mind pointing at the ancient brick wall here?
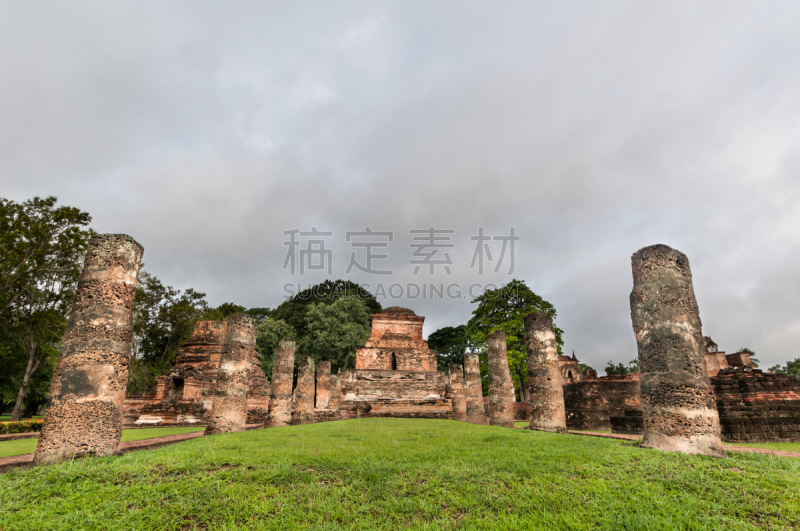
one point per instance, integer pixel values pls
(758, 407)
(396, 343)
(591, 402)
(87, 393)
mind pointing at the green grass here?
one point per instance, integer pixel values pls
(785, 446)
(28, 446)
(370, 474)
(4, 418)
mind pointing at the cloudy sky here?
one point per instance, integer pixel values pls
(207, 130)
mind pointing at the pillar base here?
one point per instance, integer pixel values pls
(695, 445)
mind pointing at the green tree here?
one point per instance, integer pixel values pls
(450, 344)
(622, 370)
(334, 331)
(791, 367)
(504, 309)
(42, 249)
(583, 367)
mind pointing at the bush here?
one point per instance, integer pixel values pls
(23, 426)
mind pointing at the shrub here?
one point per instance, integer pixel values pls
(23, 426)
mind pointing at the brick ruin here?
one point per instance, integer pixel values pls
(455, 392)
(395, 373)
(183, 397)
(678, 405)
(87, 393)
(473, 390)
(229, 404)
(303, 398)
(280, 397)
(591, 402)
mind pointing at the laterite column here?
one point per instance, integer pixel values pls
(229, 409)
(303, 410)
(546, 394)
(678, 404)
(456, 388)
(84, 413)
(501, 389)
(473, 391)
(323, 384)
(280, 396)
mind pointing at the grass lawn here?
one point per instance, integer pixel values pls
(28, 446)
(4, 418)
(404, 473)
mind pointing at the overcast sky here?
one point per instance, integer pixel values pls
(206, 130)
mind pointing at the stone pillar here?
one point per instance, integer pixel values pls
(473, 392)
(501, 389)
(456, 392)
(303, 412)
(229, 409)
(678, 404)
(544, 379)
(335, 399)
(323, 384)
(280, 395)
(84, 414)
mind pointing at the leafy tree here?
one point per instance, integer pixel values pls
(450, 344)
(334, 331)
(791, 367)
(504, 309)
(42, 249)
(269, 333)
(261, 314)
(583, 367)
(294, 311)
(622, 370)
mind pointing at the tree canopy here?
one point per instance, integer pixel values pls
(450, 344)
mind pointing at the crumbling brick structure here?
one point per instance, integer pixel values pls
(591, 402)
(323, 385)
(183, 397)
(229, 407)
(680, 412)
(715, 360)
(280, 397)
(395, 374)
(569, 368)
(455, 392)
(544, 378)
(303, 408)
(501, 389)
(84, 415)
(757, 407)
(473, 390)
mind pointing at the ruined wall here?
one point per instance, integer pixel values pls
(501, 389)
(84, 413)
(569, 368)
(280, 396)
(473, 390)
(323, 385)
(758, 407)
(303, 407)
(679, 409)
(229, 407)
(455, 392)
(376, 385)
(544, 378)
(590, 403)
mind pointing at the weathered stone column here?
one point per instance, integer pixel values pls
(323, 384)
(678, 404)
(84, 414)
(501, 389)
(303, 412)
(280, 395)
(229, 409)
(335, 400)
(544, 380)
(456, 392)
(473, 392)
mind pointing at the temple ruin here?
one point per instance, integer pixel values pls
(544, 376)
(87, 393)
(678, 405)
(455, 392)
(473, 390)
(303, 398)
(280, 397)
(501, 389)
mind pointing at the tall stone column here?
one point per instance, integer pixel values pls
(280, 396)
(303, 412)
(678, 404)
(501, 389)
(456, 392)
(229, 409)
(544, 380)
(323, 384)
(84, 414)
(473, 392)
